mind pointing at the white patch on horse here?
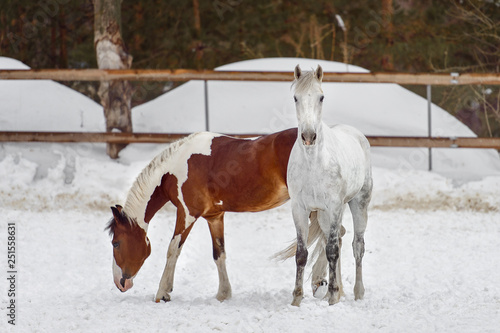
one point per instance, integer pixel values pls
(167, 161)
(220, 203)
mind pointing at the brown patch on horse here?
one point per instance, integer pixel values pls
(239, 175)
(161, 196)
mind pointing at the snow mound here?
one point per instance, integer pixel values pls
(45, 105)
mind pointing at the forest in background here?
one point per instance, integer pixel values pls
(384, 35)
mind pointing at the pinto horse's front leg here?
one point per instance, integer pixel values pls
(300, 218)
(174, 250)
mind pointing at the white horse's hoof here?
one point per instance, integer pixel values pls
(319, 290)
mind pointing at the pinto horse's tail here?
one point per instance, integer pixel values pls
(315, 234)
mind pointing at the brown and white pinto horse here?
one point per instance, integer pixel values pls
(205, 174)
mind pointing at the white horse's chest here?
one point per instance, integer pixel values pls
(332, 174)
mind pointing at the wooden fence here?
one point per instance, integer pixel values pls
(205, 75)
(375, 141)
(188, 74)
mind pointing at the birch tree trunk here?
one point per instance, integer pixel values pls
(112, 53)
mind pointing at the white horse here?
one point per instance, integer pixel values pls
(328, 168)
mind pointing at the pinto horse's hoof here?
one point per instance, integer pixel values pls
(165, 298)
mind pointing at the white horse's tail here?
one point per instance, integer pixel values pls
(315, 233)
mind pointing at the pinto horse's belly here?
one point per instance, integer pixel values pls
(257, 201)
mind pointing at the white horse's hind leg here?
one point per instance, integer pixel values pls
(359, 210)
(318, 283)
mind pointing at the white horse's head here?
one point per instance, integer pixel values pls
(308, 103)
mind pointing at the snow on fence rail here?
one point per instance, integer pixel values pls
(188, 74)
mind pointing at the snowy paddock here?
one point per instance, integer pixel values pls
(424, 272)
(427, 268)
(431, 261)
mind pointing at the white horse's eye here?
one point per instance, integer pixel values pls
(321, 99)
(295, 99)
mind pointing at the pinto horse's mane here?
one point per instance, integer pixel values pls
(305, 82)
(149, 179)
(144, 185)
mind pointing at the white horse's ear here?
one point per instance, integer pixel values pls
(297, 73)
(319, 73)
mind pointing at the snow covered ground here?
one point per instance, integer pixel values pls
(431, 262)
(427, 268)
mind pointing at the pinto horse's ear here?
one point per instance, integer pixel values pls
(116, 212)
(297, 72)
(319, 73)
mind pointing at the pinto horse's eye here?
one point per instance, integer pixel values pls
(321, 99)
(116, 244)
(295, 99)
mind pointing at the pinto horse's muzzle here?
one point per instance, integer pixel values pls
(125, 283)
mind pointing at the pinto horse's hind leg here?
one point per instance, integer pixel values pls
(174, 250)
(216, 226)
(359, 210)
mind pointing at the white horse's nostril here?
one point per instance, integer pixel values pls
(308, 138)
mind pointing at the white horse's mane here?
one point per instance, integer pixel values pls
(145, 184)
(305, 82)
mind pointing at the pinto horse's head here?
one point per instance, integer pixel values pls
(131, 247)
(308, 103)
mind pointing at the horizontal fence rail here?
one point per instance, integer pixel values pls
(188, 74)
(375, 141)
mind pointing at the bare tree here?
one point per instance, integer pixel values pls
(112, 53)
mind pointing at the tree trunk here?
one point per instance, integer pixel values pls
(112, 53)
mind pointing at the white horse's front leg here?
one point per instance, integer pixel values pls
(332, 223)
(300, 218)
